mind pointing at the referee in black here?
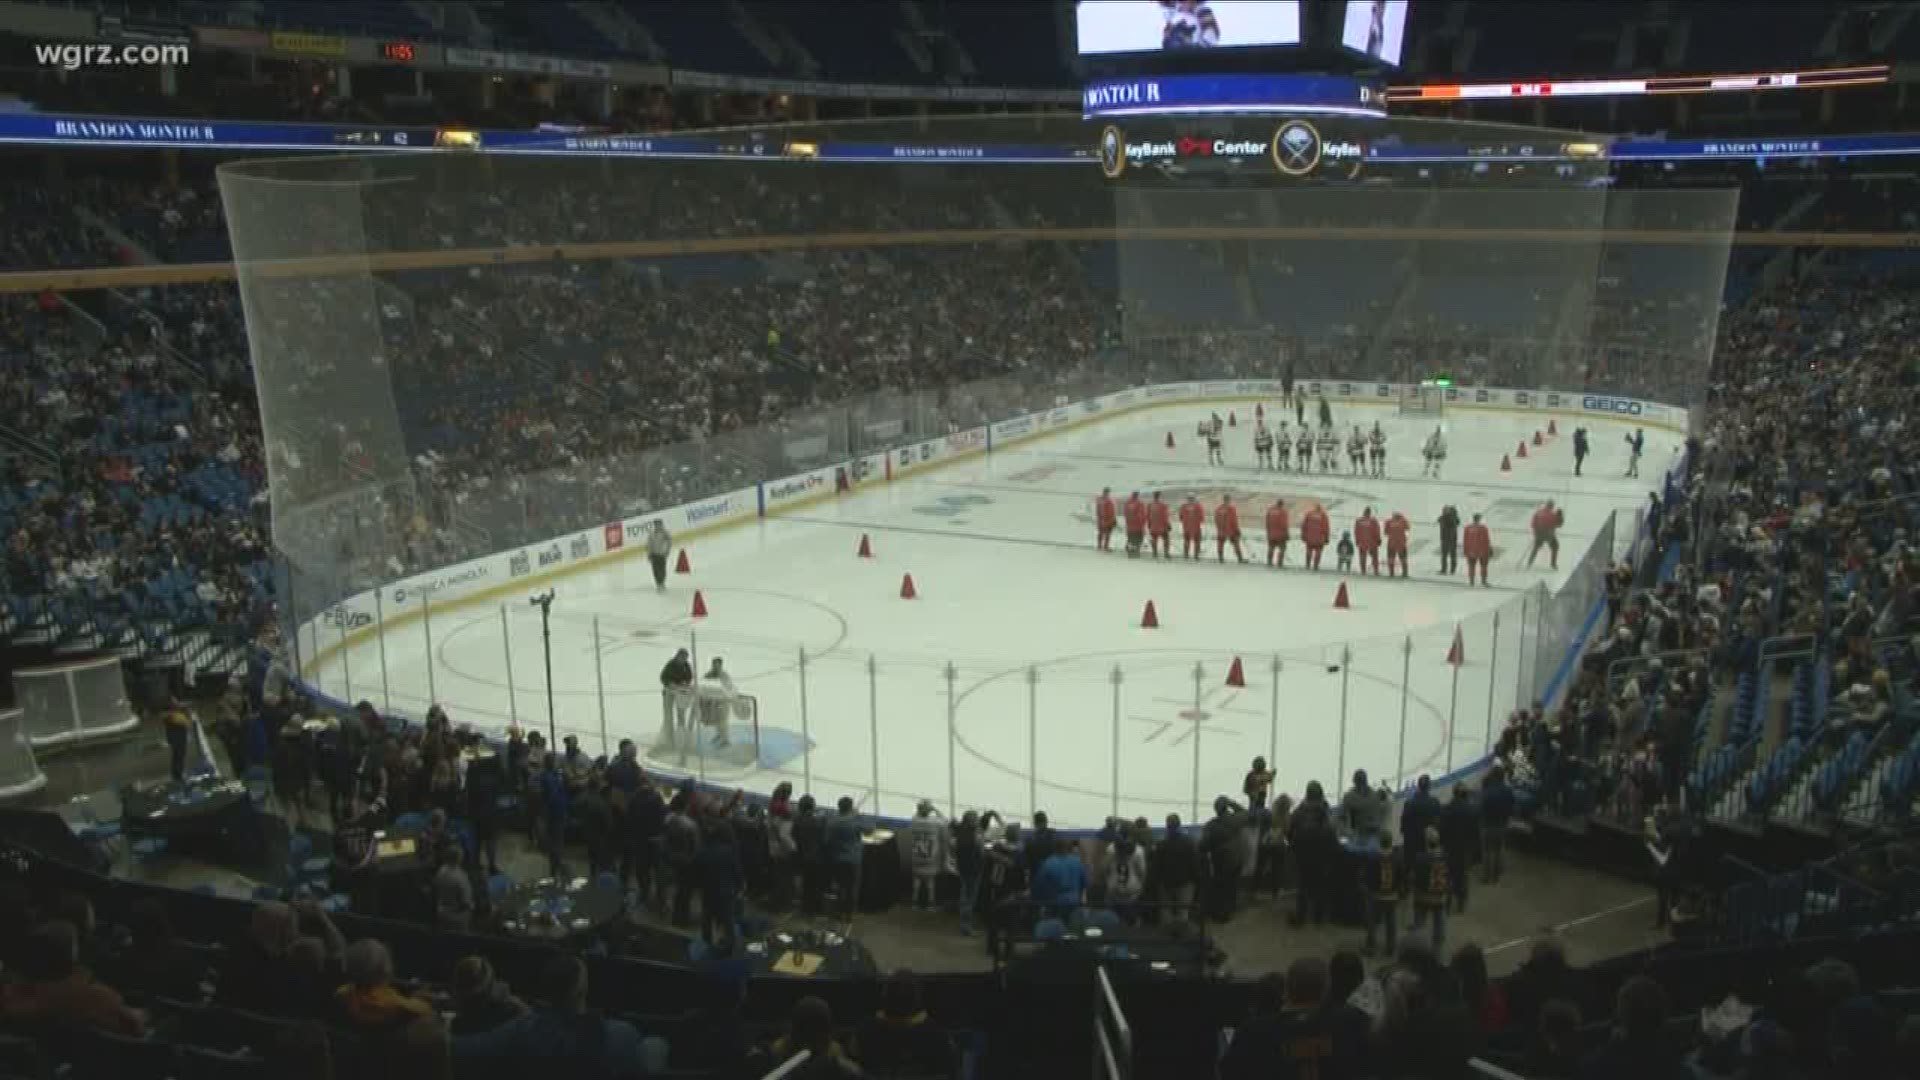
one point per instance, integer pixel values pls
(1449, 540)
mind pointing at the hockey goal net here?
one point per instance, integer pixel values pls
(718, 729)
(1422, 400)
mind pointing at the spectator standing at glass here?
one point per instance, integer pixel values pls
(969, 859)
(682, 844)
(1496, 812)
(1431, 890)
(1174, 869)
(721, 882)
(927, 855)
(1459, 839)
(843, 851)
(809, 853)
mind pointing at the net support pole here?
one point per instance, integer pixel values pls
(953, 786)
(873, 726)
(1273, 715)
(1346, 663)
(380, 635)
(600, 685)
(1406, 689)
(293, 609)
(426, 625)
(1113, 781)
(1453, 713)
(1493, 679)
(346, 662)
(506, 650)
(806, 729)
(1520, 658)
(1199, 675)
(1033, 741)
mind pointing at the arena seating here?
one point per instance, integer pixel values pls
(1794, 526)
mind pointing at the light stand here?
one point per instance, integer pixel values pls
(544, 601)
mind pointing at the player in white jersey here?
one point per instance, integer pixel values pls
(1283, 448)
(1434, 452)
(1636, 443)
(1377, 450)
(1262, 445)
(1356, 451)
(1210, 430)
(1303, 449)
(1329, 450)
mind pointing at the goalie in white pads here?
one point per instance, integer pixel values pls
(1303, 449)
(1262, 445)
(1356, 451)
(1435, 452)
(1283, 448)
(1377, 451)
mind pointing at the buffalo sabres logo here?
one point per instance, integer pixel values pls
(1113, 153)
(1296, 148)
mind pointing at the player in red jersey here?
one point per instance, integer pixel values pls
(1477, 545)
(1366, 537)
(1397, 527)
(1136, 524)
(1160, 527)
(1226, 529)
(1192, 516)
(1103, 520)
(1314, 531)
(1277, 529)
(1546, 534)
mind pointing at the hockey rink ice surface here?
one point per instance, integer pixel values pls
(1034, 622)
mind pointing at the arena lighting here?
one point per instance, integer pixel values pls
(1813, 79)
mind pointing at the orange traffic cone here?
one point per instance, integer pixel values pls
(1340, 598)
(1231, 422)
(1169, 440)
(683, 566)
(866, 547)
(1522, 452)
(1150, 619)
(1457, 652)
(699, 605)
(1551, 430)
(907, 591)
(1539, 439)
(1236, 676)
(1506, 463)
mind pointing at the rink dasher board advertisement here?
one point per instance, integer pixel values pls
(529, 565)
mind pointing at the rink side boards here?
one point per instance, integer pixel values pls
(359, 617)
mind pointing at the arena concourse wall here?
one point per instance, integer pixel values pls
(355, 618)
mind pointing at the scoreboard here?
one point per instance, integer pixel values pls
(1818, 79)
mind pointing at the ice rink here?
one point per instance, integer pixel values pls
(1020, 677)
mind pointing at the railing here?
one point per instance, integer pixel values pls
(1084, 739)
(1111, 1034)
(790, 1066)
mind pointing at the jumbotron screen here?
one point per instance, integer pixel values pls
(1377, 28)
(1140, 26)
